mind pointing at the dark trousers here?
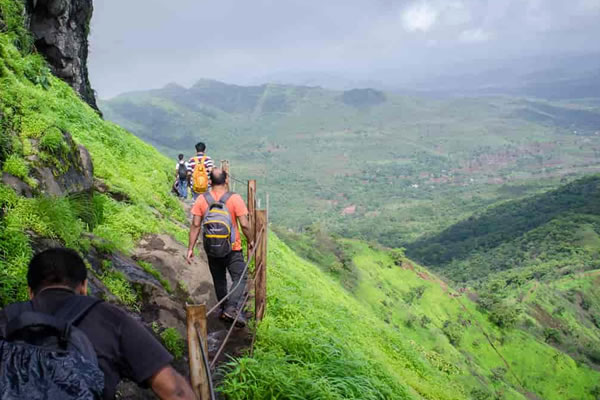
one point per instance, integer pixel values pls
(234, 263)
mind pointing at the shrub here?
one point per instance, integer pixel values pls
(480, 394)
(118, 285)
(149, 268)
(173, 342)
(410, 321)
(498, 374)
(425, 321)
(595, 392)
(53, 142)
(453, 332)
(16, 166)
(504, 315)
(552, 335)
(415, 293)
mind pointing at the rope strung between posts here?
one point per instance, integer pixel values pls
(250, 257)
(237, 316)
(237, 180)
(211, 388)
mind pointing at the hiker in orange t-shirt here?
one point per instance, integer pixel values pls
(234, 260)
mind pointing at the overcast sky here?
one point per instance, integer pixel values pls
(142, 44)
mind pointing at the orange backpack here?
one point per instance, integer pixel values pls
(200, 176)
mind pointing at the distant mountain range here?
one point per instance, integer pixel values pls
(564, 76)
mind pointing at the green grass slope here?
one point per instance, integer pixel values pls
(371, 165)
(397, 333)
(35, 107)
(536, 257)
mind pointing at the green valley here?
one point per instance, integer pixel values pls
(372, 165)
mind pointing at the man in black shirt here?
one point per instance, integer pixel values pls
(124, 347)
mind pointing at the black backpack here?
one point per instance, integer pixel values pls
(45, 356)
(182, 171)
(218, 227)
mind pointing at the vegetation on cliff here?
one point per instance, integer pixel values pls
(36, 109)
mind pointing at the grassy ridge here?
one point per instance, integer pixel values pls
(399, 328)
(35, 107)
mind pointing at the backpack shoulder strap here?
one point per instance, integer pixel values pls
(209, 199)
(226, 197)
(76, 308)
(13, 311)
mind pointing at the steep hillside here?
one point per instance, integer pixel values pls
(537, 256)
(372, 165)
(396, 332)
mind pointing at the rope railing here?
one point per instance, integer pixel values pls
(250, 257)
(222, 347)
(207, 368)
(237, 180)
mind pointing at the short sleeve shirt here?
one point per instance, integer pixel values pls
(236, 206)
(208, 162)
(125, 348)
(179, 163)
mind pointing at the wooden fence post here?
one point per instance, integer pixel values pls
(196, 322)
(260, 288)
(252, 205)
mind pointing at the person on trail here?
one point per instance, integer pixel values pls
(115, 345)
(199, 168)
(220, 208)
(181, 175)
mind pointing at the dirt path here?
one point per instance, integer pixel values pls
(193, 284)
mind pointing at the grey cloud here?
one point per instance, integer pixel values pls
(139, 44)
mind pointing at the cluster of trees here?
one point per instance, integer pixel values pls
(558, 225)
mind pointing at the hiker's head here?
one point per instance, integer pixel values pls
(200, 147)
(180, 157)
(57, 267)
(218, 177)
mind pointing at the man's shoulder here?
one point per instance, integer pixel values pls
(235, 196)
(109, 313)
(237, 202)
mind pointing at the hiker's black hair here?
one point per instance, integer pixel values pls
(57, 266)
(200, 147)
(218, 177)
(181, 156)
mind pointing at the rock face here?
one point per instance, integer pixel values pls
(60, 29)
(76, 174)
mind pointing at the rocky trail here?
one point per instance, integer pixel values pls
(158, 308)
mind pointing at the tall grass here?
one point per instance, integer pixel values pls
(398, 335)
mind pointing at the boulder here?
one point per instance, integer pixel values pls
(18, 185)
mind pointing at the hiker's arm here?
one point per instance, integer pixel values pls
(194, 233)
(245, 224)
(167, 384)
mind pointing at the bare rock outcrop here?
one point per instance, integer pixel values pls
(60, 29)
